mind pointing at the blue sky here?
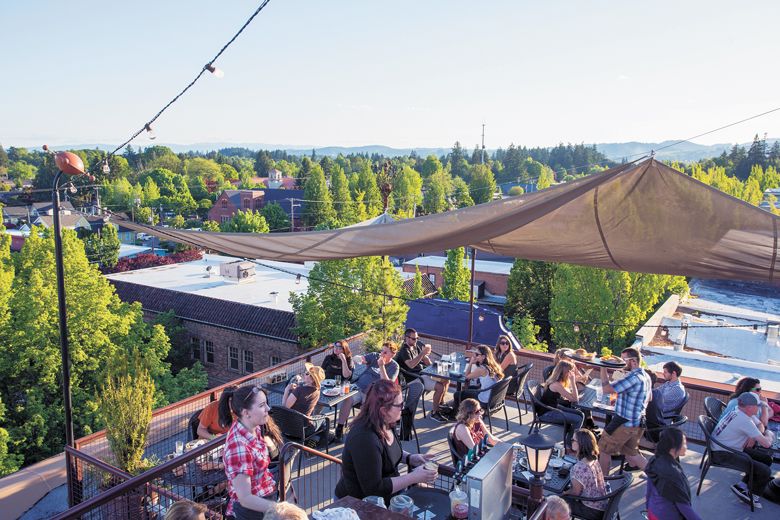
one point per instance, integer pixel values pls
(403, 73)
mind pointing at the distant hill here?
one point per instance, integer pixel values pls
(616, 151)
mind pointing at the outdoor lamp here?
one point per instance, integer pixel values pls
(538, 451)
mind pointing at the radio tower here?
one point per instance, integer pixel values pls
(483, 143)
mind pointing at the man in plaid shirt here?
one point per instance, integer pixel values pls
(623, 433)
(251, 486)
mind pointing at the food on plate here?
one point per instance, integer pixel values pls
(580, 352)
(611, 359)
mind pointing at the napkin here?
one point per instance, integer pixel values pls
(336, 513)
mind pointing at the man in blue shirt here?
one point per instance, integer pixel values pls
(623, 433)
(670, 395)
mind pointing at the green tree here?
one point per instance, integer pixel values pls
(417, 288)
(459, 166)
(482, 185)
(437, 187)
(515, 191)
(318, 203)
(384, 311)
(246, 222)
(276, 217)
(407, 192)
(8, 461)
(528, 334)
(210, 225)
(457, 277)
(430, 166)
(4, 162)
(125, 407)
(103, 248)
(151, 193)
(372, 198)
(22, 171)
(529, 293)
(460, 193)
(546, 179)
(176, 222)
(617, 302)
(342, 199)
(147, 215)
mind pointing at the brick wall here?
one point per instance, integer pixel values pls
(494, 283)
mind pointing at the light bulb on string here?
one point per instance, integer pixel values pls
(149, 132)
(106, 167)
(217, 72)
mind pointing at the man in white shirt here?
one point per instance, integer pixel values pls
(738, 431)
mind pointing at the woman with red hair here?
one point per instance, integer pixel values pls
(372, 452)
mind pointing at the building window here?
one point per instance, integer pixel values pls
(432, 278)
(246, 204)
(249, 361)
(224, 203)
(225, 218)
(276, 360)
(233, 361)
(208, 347)
(195, 346)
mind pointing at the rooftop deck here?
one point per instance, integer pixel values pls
(170, 424)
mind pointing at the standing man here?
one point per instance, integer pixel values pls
(381, 365)
(624, 431)
(414, 356)
(738, 430)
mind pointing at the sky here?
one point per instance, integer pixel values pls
(420, 73)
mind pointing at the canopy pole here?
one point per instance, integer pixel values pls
(471, 298)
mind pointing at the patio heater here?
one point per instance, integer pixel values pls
(538, 451)
(71, 165)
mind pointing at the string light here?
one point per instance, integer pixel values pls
(214, 70)
(149, 132)
(106, 167)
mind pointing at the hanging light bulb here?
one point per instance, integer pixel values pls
(298, 279)
(576, 328)
(106, 167)
(218, 73)
(149, 132)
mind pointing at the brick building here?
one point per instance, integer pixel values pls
(235, 324)
(230, 201)
(492, 275)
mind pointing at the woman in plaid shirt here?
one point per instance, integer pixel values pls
(250, 484)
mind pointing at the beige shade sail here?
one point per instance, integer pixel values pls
(641, 217)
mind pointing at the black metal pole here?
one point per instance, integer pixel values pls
(471, 298)
(64, 348)
(537, 495)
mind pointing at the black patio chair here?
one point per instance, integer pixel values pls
(192, 426)
(653, 434)
(497, 400)
(453, 452)
(406, 373)
(532, 391)
(714, 407)
(547, 372)
(745, 464)
(293, 425)
(515, 390)
(289, 460)
(619, 484)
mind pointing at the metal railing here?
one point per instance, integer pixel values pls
(307, 477)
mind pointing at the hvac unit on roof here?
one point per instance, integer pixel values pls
(238, 271)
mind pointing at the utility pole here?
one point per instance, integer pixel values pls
(293, 205)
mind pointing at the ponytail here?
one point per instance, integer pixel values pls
(225, 415)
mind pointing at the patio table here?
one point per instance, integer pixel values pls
(365, 510)
(326, 401)
(555, 484)
(455, 376)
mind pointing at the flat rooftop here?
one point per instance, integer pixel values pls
(193, 278)
(480, 266)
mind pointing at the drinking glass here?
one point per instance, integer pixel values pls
(179, 447)
(338, 380)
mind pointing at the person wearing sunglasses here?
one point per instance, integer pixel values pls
(505, 356)
(750, 384)
(469, 430)
(372, 452)
(251, 485)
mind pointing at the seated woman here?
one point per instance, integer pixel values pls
(469, 428)
(303, 397)
(587, 480)
(505, 356)
(372, 452)
(251, 485)
(481, 367)
(750, 384)
(560, 391)
(668, 496)
(210, 424)
(583, 376)
(339, 361)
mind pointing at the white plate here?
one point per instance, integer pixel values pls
(556, 463)
(331, 392)
(328, 382)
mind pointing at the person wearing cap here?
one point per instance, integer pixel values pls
(738, 430)
(303, 397)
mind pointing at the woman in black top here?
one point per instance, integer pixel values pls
(372, 452)
(339, 361)
(560, 391)
(668, 496)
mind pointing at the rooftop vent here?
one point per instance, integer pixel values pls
(240, 272)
